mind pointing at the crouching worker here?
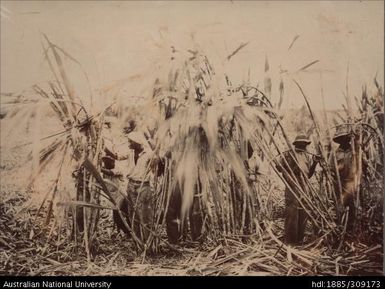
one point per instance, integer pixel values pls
(296, 169)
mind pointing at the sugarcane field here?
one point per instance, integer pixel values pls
(192, 138)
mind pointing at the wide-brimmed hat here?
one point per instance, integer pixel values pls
(301, 138)
(137, 137)
(343, 133)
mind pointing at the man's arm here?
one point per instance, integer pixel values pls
(313, 166)
(122, 158)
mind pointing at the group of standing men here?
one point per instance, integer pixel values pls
(297, 166)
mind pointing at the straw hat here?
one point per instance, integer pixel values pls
(343, 132)
(301, 138)
(137, 137)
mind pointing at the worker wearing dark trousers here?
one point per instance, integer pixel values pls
(296, 167)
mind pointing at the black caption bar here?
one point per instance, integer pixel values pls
(119, 282)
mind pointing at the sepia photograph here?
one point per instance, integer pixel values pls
(191, 138)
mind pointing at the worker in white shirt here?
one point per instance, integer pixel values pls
(138, 206)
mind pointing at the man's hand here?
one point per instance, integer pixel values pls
(252, 177)
(117, 173)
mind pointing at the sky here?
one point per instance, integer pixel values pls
(115, 40)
